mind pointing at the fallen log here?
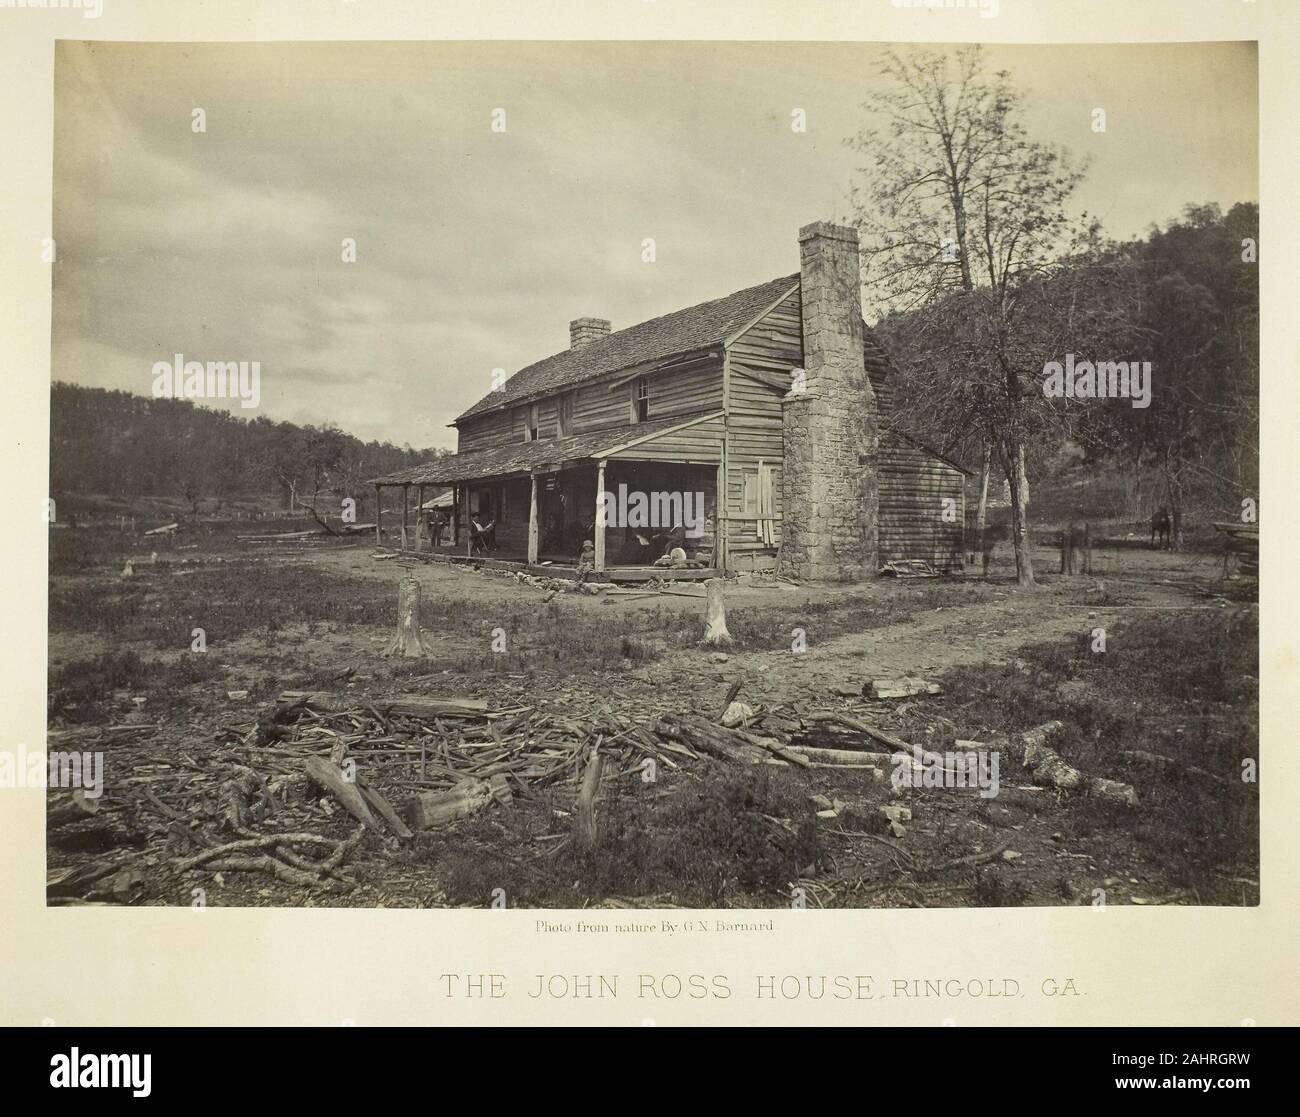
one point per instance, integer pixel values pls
(435, 808)
(331, 779)
(384, 809)
(905, 687)
(842, 757)
(587, 829)
(75, 809)
(1114, 791)
(402, 705)
(836, 718)
(1044, 762)
(776, 748)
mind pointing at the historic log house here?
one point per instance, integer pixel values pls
(751, 432)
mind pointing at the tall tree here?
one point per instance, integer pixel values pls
(962, 211)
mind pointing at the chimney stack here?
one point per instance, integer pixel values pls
(829, 482)
(583, 331)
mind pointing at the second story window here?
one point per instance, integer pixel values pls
(530, 422)
(564, 416)
(640, 400)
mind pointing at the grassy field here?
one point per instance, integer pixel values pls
(1178, 679)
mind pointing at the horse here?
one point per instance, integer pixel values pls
(1160, 525)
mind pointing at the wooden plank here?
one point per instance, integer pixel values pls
(532, 520)
(600, 518)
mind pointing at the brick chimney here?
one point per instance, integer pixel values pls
(583, 331)
(830, 489)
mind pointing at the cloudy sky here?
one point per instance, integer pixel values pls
(475, 248)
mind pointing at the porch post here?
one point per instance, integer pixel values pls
(379, 514)
(532, 521)
(406, 492)
(455, 515)
(720, 519)
(600, 516)
(419, 514)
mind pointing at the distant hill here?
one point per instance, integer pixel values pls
(112, 450)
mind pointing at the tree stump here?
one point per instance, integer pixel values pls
(715, 617)
(408, 642)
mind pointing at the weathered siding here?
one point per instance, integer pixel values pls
(606, 403)
(913, 487)
(484, 431)
(699, 443)
(775, 342)
(771, 348)
(881, 374)
(698, 388)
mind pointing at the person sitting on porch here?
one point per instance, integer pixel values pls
(481, 536)
(670, 540)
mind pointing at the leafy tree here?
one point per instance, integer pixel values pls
(965, 222)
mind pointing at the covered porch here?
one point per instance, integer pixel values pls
(631, 494)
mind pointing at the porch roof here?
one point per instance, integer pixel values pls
(543, 456)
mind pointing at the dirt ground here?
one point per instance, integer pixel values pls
(319, 618)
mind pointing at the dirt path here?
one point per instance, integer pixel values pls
(943, 638)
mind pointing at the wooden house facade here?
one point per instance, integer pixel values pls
(688, 411)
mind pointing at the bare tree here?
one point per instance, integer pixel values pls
(960, 209)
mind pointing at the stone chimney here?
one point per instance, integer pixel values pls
(829, 483)
(583, 331)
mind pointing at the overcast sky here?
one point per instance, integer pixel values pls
(476, 248)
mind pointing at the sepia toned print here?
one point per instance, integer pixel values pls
(659, 475)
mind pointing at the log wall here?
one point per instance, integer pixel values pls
(913, 487)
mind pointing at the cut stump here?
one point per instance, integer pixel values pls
(408, 641)
(715, 616)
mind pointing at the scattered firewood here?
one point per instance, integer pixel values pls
(244, 799)
(76, 808)
(331, 779)
(777, 748)
(1114, 791)
(732, 691)
(904, 687)
(1049, 768)
(403, 705)
(843, 758)
(587, 828)
(384, 809)
(434, 808)
(737, 714)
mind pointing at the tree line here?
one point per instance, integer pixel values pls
(126, 446)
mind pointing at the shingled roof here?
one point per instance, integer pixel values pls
(524, 457)
(668, 336)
